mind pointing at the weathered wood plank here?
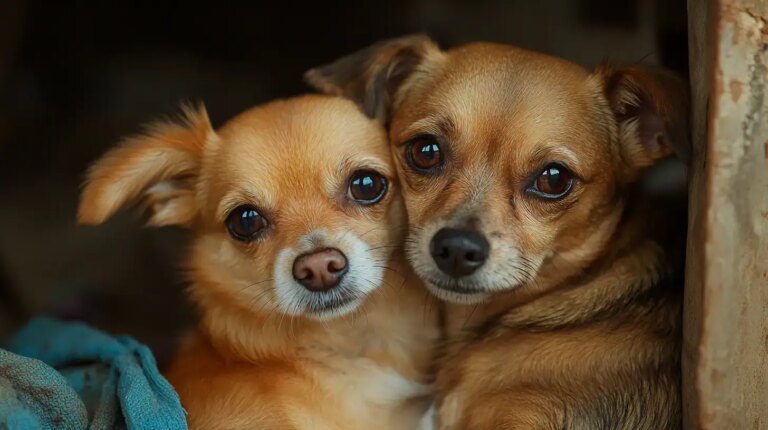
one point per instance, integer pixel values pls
(726, 309)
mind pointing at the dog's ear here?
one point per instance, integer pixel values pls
(651, 107)
(372, 76)
(157, 169)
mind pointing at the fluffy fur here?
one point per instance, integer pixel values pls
(267, 356)
(573, 322)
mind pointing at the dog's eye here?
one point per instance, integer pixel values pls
(367, 187)
(554, 182)
(424, 154)
(245, 223)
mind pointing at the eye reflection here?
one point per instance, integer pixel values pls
(245, 223)
(367, 187)
(554, 182)
(424, 153)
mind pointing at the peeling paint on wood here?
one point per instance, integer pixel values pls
(737, 89)
(726, 307)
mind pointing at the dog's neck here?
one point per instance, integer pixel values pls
(382, 329)
(630, 261)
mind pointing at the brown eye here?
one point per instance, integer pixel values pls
(554, 182)
(424, 154)
(367, 187)
(245, 223)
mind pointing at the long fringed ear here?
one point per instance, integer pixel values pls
(372, 76)
(157, 169)
(651, 108)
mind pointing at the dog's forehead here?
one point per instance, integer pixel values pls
(302, 142)
(512, 66)
(490, 80)
(492, 92)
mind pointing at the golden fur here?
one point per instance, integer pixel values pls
(573, 322)
(255, 364)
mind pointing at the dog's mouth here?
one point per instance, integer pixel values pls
(332, 303)
(457, 288)
(453, 291)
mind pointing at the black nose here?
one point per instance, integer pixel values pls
(459, 252)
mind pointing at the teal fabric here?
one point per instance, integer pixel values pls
(60, 375)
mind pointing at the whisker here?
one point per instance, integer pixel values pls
(383, 247)
(255, 284)
(469, 317)
(369, 231)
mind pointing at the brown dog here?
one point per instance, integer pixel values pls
(520, 176)
(310, 316)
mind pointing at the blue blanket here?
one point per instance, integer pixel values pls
(57, 375)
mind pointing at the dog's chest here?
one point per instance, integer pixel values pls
(375, 395)
(367, 383)
(373, 379)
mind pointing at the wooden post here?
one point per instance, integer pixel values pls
(725, 354)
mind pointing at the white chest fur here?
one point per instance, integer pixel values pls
(367, 384)
(379, 396)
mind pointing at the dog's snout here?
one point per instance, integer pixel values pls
(320, 270)
(459, 252)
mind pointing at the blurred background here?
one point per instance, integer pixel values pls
(75, 77)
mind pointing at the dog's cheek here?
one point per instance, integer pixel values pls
(254, 262)
(417, 243)
(531, 235)
(415, 207)
(416, 216)
(395, 224)
(596, 207)
(231, 268)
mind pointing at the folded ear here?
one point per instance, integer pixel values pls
(157, 169)
(372, 76)
(651, 107)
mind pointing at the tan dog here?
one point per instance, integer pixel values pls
(310, 316)
(520, 175)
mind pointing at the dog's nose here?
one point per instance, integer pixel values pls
(320, 270)
(459, 252)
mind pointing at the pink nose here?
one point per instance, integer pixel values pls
(320, 270)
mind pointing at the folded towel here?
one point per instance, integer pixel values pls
(57, 375)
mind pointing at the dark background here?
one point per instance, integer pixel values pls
(75, 77)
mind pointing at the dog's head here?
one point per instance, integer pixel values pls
(294, 204)
(514, 164)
